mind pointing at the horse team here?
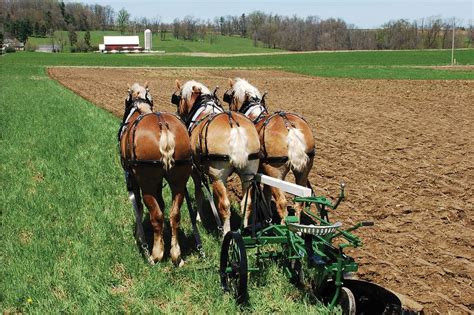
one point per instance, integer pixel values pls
(205, 140)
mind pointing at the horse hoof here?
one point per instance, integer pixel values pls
(179, 263)
(151, 260)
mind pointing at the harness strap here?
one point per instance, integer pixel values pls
(288, 124)
(226, 157)
(134, 162)
(210, 198)
(192, 215)
(283, 159)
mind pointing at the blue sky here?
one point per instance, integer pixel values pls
(362, 13)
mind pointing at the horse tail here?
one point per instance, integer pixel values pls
(167, 146)
(297, 157)
(238, 142)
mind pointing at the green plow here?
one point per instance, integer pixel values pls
(310, 251)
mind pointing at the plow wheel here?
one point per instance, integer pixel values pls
(347, 302)
(233, 267)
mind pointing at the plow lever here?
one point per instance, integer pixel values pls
(341, 196)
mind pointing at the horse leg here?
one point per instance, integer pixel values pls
(223, 204)
(301, 178)
(175, 218)
(279, 196)
(154, 202)
(219, 172)
(246, 176)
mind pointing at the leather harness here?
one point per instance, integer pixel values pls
(288, 125)
(162, 124)
(205, 100)
(255, 101)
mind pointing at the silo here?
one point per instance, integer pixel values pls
(147, 40)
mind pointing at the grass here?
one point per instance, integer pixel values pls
(366, 64)
(220, 44)
(66, 240)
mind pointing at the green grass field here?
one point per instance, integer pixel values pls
(66, 242)
(221, 44)
(368, 64)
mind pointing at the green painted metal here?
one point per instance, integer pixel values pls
(327, 263)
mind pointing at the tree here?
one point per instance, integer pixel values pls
(122, 20)
(25, 30)
(61, 39)
(72, 37)
(162, 31)
(87, 39)
(243, 25)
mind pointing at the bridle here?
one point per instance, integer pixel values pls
(203, 100)
(249, 105)
(133, 103)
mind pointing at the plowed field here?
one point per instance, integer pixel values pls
(404, 149)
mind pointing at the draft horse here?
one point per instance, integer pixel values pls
(222, 142)
(286, 139)
(154, 146)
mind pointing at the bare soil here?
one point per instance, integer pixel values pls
(404, 149)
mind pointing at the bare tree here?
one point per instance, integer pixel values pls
(163, 30)
(433, 29)
(123, 18)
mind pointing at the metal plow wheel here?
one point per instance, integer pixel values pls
(233, 266)
(370, 298)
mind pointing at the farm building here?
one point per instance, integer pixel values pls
(121, 44)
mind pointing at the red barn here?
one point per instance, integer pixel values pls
(121, 44)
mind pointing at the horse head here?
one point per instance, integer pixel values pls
(140, 98)
(242, 96)
(187, 95)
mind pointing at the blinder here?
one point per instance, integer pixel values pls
(175, 99)
(129, 102)
(228, 96)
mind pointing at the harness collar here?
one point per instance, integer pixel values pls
(202, 102)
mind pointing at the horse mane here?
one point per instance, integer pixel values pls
(242, 88)
(187, 90)
(137, 88)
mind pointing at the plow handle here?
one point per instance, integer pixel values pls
(341, 196)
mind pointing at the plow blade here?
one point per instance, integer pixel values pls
(370, 298)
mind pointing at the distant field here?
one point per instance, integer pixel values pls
(416, 64)
(221, 44)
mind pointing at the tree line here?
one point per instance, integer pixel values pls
(41, 18)
(314, 33)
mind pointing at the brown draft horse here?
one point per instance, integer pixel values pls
(287, 142)
(155, 146)
(222, 143)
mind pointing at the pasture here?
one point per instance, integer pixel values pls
(401, 146)
(220, 43)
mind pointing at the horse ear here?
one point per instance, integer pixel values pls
(178, 84)
(146, 85)
(129, 87)
(231, 82)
